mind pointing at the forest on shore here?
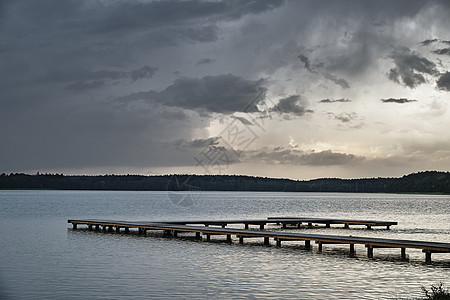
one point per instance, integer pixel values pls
(421, 182)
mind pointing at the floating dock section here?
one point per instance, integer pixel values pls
(173, 228)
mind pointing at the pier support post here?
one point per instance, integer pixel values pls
(90, 227)
(104, 228)
(346, 226)
(298, 225)
(97, 227)
(246, 226)
(208, 237)
(175, 233)
(241, 240)
(110, 229)
(278, 242)
(266, 241)
(428, 257)
(369, 227)
(403, 253)
(74, 226)
(224, 225)
(127, 229)
(198, 235)
(369, 252)
(327, 225)
(261, 227)
(309, 225)
(117, 229)
(284, 225)
(388, 227)
(229, 238)
(308, 245)
(320, 247)
(352, 250)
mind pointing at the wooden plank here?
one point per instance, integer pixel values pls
(370, 242)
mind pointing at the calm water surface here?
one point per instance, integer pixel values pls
(42, 258)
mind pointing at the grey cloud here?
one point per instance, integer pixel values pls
(443, 82)
(205, 61)
(288, 156)
(243, 120)
(345, 117)
(198, 143)
(397, 100)
(446, 42)
(442, 51)
(410, 67)
(93, 136)
(334, 100)
(144, 72)
(339, 81)
(86, 79)
(307, 63)
(85, 85)
(225, 94)
(429, 42)
(292, 105)
(328, 158)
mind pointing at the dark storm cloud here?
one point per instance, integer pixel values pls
(334, 100)
(144, 72)
(429, 42)
(205, 61)
(443, 82)
(292, 105)
(339, 81)
(85, 79)
(397, 100)
(225, 94)
(410, 68)
(442, 51)
(85, 85)
(198, 143)
(306, 62)
(95, 17)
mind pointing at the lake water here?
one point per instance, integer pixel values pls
(43, 258)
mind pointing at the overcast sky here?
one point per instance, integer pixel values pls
(296, 89)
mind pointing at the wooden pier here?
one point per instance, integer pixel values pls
(175, 227)
(288, 221)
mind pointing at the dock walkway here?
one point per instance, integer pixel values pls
(173, 228)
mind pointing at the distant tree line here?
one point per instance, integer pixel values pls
(422, 182)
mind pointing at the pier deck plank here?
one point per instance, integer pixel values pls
(426, 246)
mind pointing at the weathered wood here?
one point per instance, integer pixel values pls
(369, 252)
(428, 257)
(371, 243)
(266, 241)
(308, 245)
(403, 253)
(352, 250)
(278, 242)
